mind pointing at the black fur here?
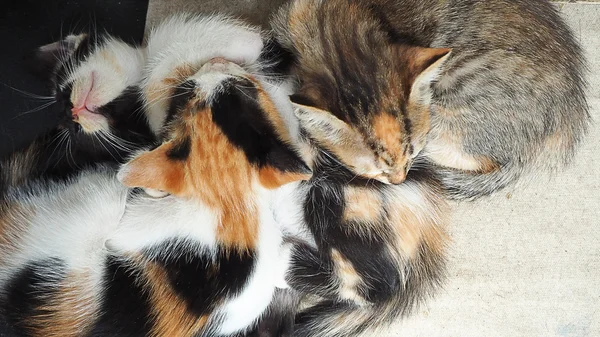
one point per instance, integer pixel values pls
(200, 279)
(181, 150)
(278, 320)
(26, 292)
(246, 125)
(181, 97)
(279, 60)
(125, 307)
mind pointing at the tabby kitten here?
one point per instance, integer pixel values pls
(199, 253)
(504, 92)
(94, 85)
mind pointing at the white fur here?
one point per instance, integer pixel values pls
(193, 40)
(149, 221)
(103, 76)
(82, 222)
(242, 311)
(91, 219)
(288, 211)
(70, 222)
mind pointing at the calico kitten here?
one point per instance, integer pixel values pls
(485, 90)
(94, 85)
(199, 253)
(365, 253)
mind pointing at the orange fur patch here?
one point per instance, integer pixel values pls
(487, 165)
(362, 205)
(179, 74)
(11, 227)
(387, 130)
(558, 142)
(272, 178)
(418, 223)
(160, 90)
(446, 149)
(220, 175)
(350, 280)
(71, 311)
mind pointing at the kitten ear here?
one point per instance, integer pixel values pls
(339, 138)
(283, 166)
(153, 170)
(425, 64)
(45, 59)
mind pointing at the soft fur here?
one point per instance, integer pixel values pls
(503, 94)
(365, 253)
(199, 253)
(94, 86)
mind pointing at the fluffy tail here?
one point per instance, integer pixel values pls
(465, 185)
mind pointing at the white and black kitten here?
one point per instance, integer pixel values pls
(94, 85)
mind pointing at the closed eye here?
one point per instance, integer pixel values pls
(156, 194)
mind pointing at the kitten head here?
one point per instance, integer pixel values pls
(222, 136)
(362, 97)
(94, 84)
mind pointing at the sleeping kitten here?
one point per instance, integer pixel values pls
(95, 88)
(485, 90)
(199, 253)
(364, 252)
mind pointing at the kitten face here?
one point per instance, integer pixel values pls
(360, 96)
(93, 83)
(222, 135)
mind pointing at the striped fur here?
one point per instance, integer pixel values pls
(507, 101)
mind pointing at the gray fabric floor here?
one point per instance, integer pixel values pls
(523, 263)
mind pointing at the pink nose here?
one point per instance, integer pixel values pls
(76, 111)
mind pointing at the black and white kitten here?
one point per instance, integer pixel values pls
(94, 85)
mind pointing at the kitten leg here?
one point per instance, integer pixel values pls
(448, 151)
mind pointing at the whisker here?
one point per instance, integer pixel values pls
(29, 94)
(41, 107)
(114, 141)
(102, 144)
(245, 94)
(163, 99)
(63, 135)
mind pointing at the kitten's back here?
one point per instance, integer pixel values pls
(507, 101)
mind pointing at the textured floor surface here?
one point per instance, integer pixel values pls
(525, 263)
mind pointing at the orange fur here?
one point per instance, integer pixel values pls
(11, 227)
(362, 205)
(160, 90)
(412, 228)
(272, 178)
(70, 312)
(446, 149)
(350, 279)
(386, 129)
